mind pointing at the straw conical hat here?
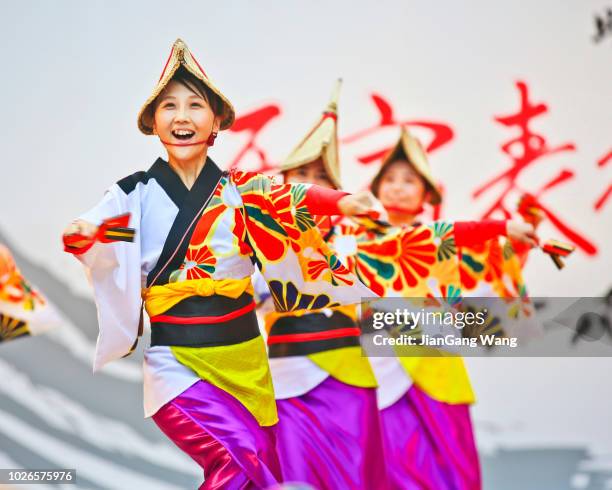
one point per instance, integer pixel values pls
(410, 149)
(181, 56)
(321, 141)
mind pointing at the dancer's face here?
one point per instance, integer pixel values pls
(401, 187)
(311, 173)
(182, 116)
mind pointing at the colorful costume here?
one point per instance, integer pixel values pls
(24, 311)
(424, 401)
(206, 377)
(329, 432)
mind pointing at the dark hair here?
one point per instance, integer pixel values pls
(198, 87)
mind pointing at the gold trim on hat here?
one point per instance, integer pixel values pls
(181, 56)
(412, 151)
(320, 142)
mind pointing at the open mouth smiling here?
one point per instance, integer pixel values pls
(183, 134)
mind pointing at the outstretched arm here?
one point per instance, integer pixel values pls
(470, 233)
(331, 202)
(323, 201)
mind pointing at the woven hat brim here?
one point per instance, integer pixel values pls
(320, 142)
(411, 150)
(182, 57)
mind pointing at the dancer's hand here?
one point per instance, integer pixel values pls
(522, 232)
(81, 227)
(378, 211)
(359, 204)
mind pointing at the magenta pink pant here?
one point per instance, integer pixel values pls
(220, 434)
(429, 445)
(331, 439)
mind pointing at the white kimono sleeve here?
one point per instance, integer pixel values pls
(115, 272)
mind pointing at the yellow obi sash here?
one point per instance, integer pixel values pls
(441, 375)
(159, 299)
(346, 364)
(241, 369)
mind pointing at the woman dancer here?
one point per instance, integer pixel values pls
(424, 401)
(315, 358)
(196, 232)
(328, 432)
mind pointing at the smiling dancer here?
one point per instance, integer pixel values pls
(196, 232)
(316, 360)
(424, 401)
(328, 432)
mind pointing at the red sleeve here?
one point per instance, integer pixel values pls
(469, 233)
(323, 201)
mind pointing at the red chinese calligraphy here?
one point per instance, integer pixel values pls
(253, 123)
(441, 133)
(599, 204)
(526, 150)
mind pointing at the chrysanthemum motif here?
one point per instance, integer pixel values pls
(269, 221)
(375, 262)
(444, 240)
(451, 294)
(287, 298)
(199, 263)
(11, 328)
(276, 216)
(470, 269)
(417, 255)
(328, 267)
(300, 213)
(239, 231)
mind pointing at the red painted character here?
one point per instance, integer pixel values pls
(440, 134)
(252, 123)
(601, 200)
(525, 150)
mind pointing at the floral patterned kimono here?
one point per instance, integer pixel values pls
(329, 433)
(424, 401)
(207, 383)
(493, 269)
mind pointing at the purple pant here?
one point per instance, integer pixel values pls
(220, 434)
(429, 445)
(330, 438)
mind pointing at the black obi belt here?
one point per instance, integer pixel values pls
(206, 321)
(311, 333)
